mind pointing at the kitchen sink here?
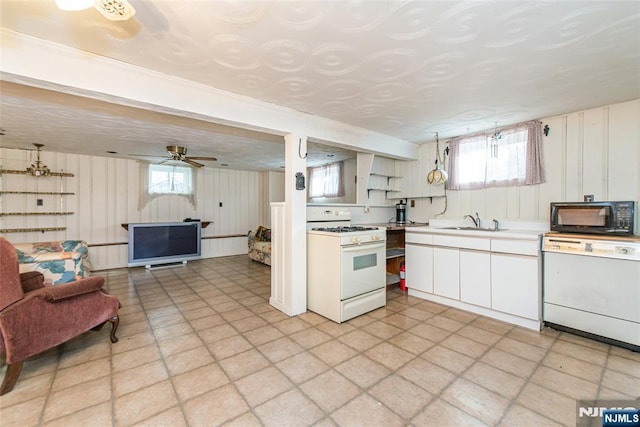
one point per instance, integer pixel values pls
(471, 229)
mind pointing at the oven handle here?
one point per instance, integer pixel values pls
(363, 247)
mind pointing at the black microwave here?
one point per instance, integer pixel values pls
(608, 218)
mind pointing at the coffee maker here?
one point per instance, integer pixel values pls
(401, 212)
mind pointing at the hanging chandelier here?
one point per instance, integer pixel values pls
(437, 175)
(114, 10)
(38, 168)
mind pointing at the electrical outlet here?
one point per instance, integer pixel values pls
(413, 203)
(39, 202)
(220, 204)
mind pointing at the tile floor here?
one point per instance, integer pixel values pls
(200, 346)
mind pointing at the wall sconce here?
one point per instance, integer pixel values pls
(38, 168)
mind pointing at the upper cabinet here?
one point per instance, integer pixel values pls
(414, 175)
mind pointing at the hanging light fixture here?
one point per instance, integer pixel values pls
(438, 176)
(114, 10)
(38, 168)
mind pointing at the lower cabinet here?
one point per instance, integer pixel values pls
(446, 272)
(475, 277)
(420, 275)
(515, 285)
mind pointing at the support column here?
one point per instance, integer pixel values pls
(289, 293)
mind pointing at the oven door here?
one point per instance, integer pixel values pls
(363, 269)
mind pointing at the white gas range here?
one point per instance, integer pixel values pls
(346, 268)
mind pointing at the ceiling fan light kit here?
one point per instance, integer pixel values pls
(114, 10)
(38, 168)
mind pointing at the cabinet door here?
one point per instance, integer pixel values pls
(515, 285)
(475, 277)
(419, 266)
(446, 272)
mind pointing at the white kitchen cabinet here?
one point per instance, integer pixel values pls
(475, 277)
(446, 272)
(419, 265)
(515, 285)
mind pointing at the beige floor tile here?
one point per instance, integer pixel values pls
(126, 329)
(432, 307)
(519, 416)
(330, 390)
(135, 341)
(571, 386)
(23, 414)
(206, 322)
(309, 338)
(459, 315)
(179, 344)
(558, 407)
(625, 353)
(261, 386)
(365, 411)
(624, 365)
(333, 352)
(607, 393)
(494, 379)
(139, 377)
(618, 381)
(477, 401)
(509, 362)
(229, 347)
(199, 381)
(37, 365)
(87, 354)
(262, 335)
(411, 343)
(237, 314)
(441, 414)
(100, 415)
(464, 345)
(586, 342)
(278, 411)
(335, 329)
(312, 318)
(389, 355)
(215, 407)
(584, 353)
(142, 404)
(188, 360)
(520, 349)
(77, 397)
(543, 340)
(171, 417)
(137, 357)
(248, 323)
(403, 397)
(359, 340)
(578, 368)
(291, 325)
(178, 329)
(401, 321)
(243, 364)
(217, 333)
(363, 371)
(426, 375)
(429, 332)
(492, 325)
(382, 330)
(27, 389)
(479, 335)
(362, 320)
(302, 367)
(280, 349)
(448, 359)
(416, 313)
(248, 419)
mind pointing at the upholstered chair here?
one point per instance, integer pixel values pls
(36, 316)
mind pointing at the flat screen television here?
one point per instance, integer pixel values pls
(164, 242)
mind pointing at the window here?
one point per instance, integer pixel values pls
(499, 159)
(167, 179)
(326, 181)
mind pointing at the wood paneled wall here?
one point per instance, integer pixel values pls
(595, 151)
(106, 196)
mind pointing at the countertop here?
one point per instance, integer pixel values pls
(392, 226)
(500, 234)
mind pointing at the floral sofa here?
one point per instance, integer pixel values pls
(260, 245)
(60, 262)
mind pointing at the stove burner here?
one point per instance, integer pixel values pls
(344, 229)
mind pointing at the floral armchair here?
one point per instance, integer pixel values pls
(60, 262)
(260, 245)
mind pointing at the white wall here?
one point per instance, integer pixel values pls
(595, 151)
(106, 195)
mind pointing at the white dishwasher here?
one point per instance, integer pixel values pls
(591, 287)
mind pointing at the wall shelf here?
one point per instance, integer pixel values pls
(386, 191)
(54, 193)
(26, 230)
(34, 213)
(24, 172)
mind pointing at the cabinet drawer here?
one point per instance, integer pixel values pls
(481, 244)
(425, 239)
(519, 247)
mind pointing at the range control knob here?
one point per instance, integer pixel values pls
(355, 240)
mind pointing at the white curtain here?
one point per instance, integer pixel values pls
(326, 181)
(510, 157)
(166, 183)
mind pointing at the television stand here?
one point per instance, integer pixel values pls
(167, 265)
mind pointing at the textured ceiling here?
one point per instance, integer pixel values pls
(401, 68)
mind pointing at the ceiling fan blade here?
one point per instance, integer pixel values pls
(212, 159)
(192, 163)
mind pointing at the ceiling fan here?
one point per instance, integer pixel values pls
(180, 154)
(114, 10)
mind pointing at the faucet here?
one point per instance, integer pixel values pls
(495, 224)
(476, 220)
